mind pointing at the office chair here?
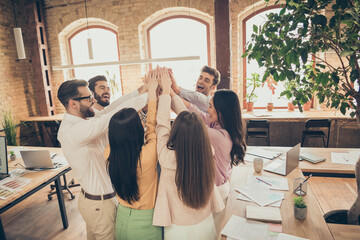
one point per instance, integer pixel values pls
(66, 187)
(51, 128)
(351, 216)
(258, 124)
(316, 123)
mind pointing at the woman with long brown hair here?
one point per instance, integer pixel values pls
(187, 195)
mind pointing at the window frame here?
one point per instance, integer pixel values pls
(84, 28)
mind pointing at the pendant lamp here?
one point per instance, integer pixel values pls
(18, 38)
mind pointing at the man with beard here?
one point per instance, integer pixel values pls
(83, 139)
(205, 86)
(99, 87)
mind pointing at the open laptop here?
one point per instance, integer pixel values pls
(37, 159)
(4, 170)
(285, 167)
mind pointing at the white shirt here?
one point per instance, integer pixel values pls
(83, 143)
(198, 99)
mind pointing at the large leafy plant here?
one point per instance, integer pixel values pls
(305, 33)
(252, 83)
(9, 125)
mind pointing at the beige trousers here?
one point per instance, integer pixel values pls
(219, 216)
(99, 216)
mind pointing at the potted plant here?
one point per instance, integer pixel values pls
(300, 208)
(271, 83)
(290, 87)
(253, 82)
(12, 156)
(9, 125)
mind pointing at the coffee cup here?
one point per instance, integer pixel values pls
(258, 164)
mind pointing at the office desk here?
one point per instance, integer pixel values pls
(323, 167)
(313, 227)
(39, 181)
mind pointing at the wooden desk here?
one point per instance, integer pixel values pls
(344, 232)
(323, 167)
(313, 227)
(39, 181)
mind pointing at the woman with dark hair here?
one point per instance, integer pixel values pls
(187, 195)
(132, 169)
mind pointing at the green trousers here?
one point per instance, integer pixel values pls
(136, 224)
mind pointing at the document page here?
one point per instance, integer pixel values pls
(274, 183)
(242, 229)
(263, 153)
(349, 158)
(260, 194)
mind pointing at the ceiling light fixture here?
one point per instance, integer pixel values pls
(18, 38)
(141, 61)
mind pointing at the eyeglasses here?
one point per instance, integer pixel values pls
(90, 97)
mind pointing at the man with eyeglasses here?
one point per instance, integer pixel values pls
(99, 87)
(83, 137)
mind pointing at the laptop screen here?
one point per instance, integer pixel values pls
(3, 156)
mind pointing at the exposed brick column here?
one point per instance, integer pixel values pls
(40, 58)
(222, 36)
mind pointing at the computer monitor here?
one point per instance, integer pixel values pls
(4, 171)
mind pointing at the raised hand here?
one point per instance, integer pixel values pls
(174, 85)
(152, 82)
(165, 80)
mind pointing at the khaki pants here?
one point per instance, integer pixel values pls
(99, 216)
(220, 216)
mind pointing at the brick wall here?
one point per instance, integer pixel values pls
(16, 77)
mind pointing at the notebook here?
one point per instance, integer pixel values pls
(38, 159)
(265, 214)
(312, 157)
(285, 167)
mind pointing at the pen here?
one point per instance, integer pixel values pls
(263, 181)
(306, 179)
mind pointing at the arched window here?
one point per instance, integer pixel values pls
(177, 36)
(264, 93)
(105, 49)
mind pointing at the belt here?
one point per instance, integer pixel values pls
(98, 197)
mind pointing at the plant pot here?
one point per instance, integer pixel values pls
(300, 213)
(291, 106)
(250, 106)
(270, 106)
(307, 106)
(12, 157)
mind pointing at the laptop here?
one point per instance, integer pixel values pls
(4, 170)
(38, 159)
(282, 167)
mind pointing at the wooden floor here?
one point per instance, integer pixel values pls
(38, 218)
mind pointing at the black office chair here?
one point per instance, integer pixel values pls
(262, 130)
(317, 123)
(66, 187)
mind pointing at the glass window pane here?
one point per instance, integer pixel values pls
(105, 49)
(180, 37)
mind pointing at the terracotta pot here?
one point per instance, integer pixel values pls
(291, 106)
(307, 106)
(250, 106)
(270, 106)
(300, 213)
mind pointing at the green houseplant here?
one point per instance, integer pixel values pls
(300, 208)
(9, 125)
(253, 82)
(271, 84)
(12, 156)
(302, 33)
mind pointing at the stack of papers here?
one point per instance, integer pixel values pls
(10, 185)
(250, 158)
(266, 214)
(242, 229)
(263, 153)
(260, 194)
(349, 158)
(311, 157)
(274, 183)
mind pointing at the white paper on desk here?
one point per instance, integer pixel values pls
(57, 158)
(250, 158)
(244, 198)
(349, 158)
(284, 236)
(260, 194)
(18, 172)
(259, 152)
(241, 229)
(277, 183)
